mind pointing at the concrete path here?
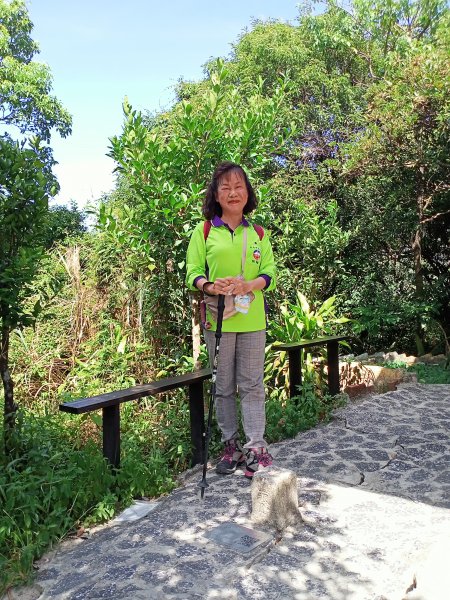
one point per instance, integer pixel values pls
(374, 492)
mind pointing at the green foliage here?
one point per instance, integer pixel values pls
(337, 228)
(54, 481)
(432, 373)
(25, 85)
(308, 240)
(395, 364)
(165, 165)
(25, 184)
(299, 321)
(103, 363)
(288, 416)
(394, 25)
(26, 179)
(46, 486)
(62, 224)
(342, 123)
(401, 158)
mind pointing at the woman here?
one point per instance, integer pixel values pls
(216, 264)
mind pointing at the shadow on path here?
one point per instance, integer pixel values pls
(374, 485)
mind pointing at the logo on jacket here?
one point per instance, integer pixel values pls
(256, 253)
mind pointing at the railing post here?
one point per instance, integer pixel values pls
(111, 434)
(197, 417)
(333, 367)
(295, 370)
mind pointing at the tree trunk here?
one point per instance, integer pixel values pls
(196, 329)
(8, 387)
(140, 307)
(418, 267)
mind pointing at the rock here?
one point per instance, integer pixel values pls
(354, 373)
(391, 357)
(429, 359)
(401, 358)
(409, 378)
(379, 355)
(361, 357)
(411, 360)
(275, 497)
(356, 389)
(32, 592)
(438, 359)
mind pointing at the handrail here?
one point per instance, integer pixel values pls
(294, 350)
(110, 402)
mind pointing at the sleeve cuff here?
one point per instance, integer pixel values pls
(267, 279)
(194, 283)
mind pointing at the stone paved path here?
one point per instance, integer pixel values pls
(374, 491)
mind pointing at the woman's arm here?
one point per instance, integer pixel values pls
(196, 259)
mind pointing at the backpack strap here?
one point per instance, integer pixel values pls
(259, 230)
(207, 228)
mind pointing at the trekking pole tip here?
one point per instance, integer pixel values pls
(203, 484)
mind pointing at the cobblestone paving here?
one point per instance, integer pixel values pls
(374, 492)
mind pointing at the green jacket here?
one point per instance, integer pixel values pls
(221, 256)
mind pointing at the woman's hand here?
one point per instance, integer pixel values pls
(209, 288)
(238, 286)
(234, 286)
(223, 285)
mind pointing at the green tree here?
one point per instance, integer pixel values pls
(403, 158)
(62, 223)
(26, 179)
(321, 109)
(166, 163)
(25, 84)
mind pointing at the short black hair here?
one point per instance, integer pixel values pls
(211, 207)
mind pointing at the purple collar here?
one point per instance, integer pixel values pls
(217, 222)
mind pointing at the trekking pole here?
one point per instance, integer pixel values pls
(207, 434)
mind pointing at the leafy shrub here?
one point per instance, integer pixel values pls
(288, 416)
(45, 489)
(300, 321)
(431, 373)
(395, 364)
(51, 485)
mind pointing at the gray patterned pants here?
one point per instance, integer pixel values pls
(240, 367)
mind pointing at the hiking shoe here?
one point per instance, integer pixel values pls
(257, 458)
(233, 457)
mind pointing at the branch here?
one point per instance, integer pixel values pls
(427, 202)
(447, 344)
(428, 25)
(363, 31)
(413, 20)
(436, 216)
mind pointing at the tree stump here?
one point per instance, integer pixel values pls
(275, 497)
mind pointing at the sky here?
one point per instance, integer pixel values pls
(100, 51)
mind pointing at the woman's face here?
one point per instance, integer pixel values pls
(232, 194)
